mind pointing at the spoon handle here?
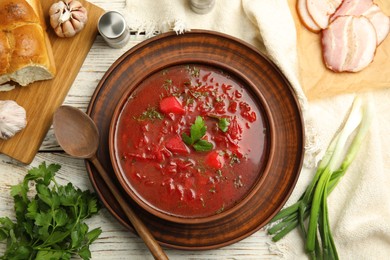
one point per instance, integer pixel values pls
(139, 226)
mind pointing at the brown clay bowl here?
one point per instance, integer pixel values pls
(263, 166)
(247, 63)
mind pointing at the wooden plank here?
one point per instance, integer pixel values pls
(41, 99)
(319, 82)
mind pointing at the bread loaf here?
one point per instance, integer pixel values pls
(25, 50)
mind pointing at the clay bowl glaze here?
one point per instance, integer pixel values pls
(169, 49)
(215, 193)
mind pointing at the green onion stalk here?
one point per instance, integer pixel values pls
(313, 202)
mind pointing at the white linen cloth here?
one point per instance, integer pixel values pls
(359, 207)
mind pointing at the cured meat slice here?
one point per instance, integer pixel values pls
(380, 21)
(352, 7)
(368, 9)
(333, 44)
(349, 43)
(321, 10)
(305, 17)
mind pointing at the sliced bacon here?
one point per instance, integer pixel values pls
(380, 21)
(333, 44)
(352, 7)
(321, 10)
(305, 17)
(351, 30)
(349, 43)
(368, 9)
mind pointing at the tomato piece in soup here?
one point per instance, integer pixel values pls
(171, 105)
(176, 145)
(215, 159)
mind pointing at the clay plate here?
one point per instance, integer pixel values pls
(199, 46)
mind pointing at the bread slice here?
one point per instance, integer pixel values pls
(26, 55)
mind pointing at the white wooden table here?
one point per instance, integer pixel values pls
(116, 242)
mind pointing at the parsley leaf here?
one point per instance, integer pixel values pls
(198, 130)
(223, 124)
(49, 224)
(203, 146)
(188, 140)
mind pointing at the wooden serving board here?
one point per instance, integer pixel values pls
(319, 82)
(41, 99)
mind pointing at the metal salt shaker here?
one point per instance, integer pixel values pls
(113, 28)
(202, 6)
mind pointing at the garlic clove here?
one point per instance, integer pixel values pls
(12, 118)
(75, 5)
(68, 29)
(56, 11)
(64, 16)
(78, 26)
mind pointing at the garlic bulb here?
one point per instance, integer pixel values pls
(68, 17)
(12, 118)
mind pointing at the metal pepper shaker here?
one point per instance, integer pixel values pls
(202, 6)
(113, 28)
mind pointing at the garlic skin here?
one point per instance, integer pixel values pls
(12, 118)
(68, 17)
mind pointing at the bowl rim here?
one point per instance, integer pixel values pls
(264, 169)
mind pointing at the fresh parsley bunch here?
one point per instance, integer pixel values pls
(50, 225)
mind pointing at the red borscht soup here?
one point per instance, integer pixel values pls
(191, 140)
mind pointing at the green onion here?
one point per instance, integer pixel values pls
(313, 202)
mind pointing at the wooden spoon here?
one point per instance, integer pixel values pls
(78, 135)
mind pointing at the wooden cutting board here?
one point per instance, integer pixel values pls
(319, 82)
(41, 99)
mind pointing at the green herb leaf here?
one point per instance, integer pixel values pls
(44, 193)
(6, 225)
(43, 219)
(22, 252)
(60, 217)
(68, 195)
(32, 209)
(188, 140)
(49, 254)
(57, 236)
(20, 206)
(85, 253)
(223, 124)
(18, 190)
(93, 234)
(76, 238)
(3, 234)
(198, 130)
(203, 146)
(92, 205)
